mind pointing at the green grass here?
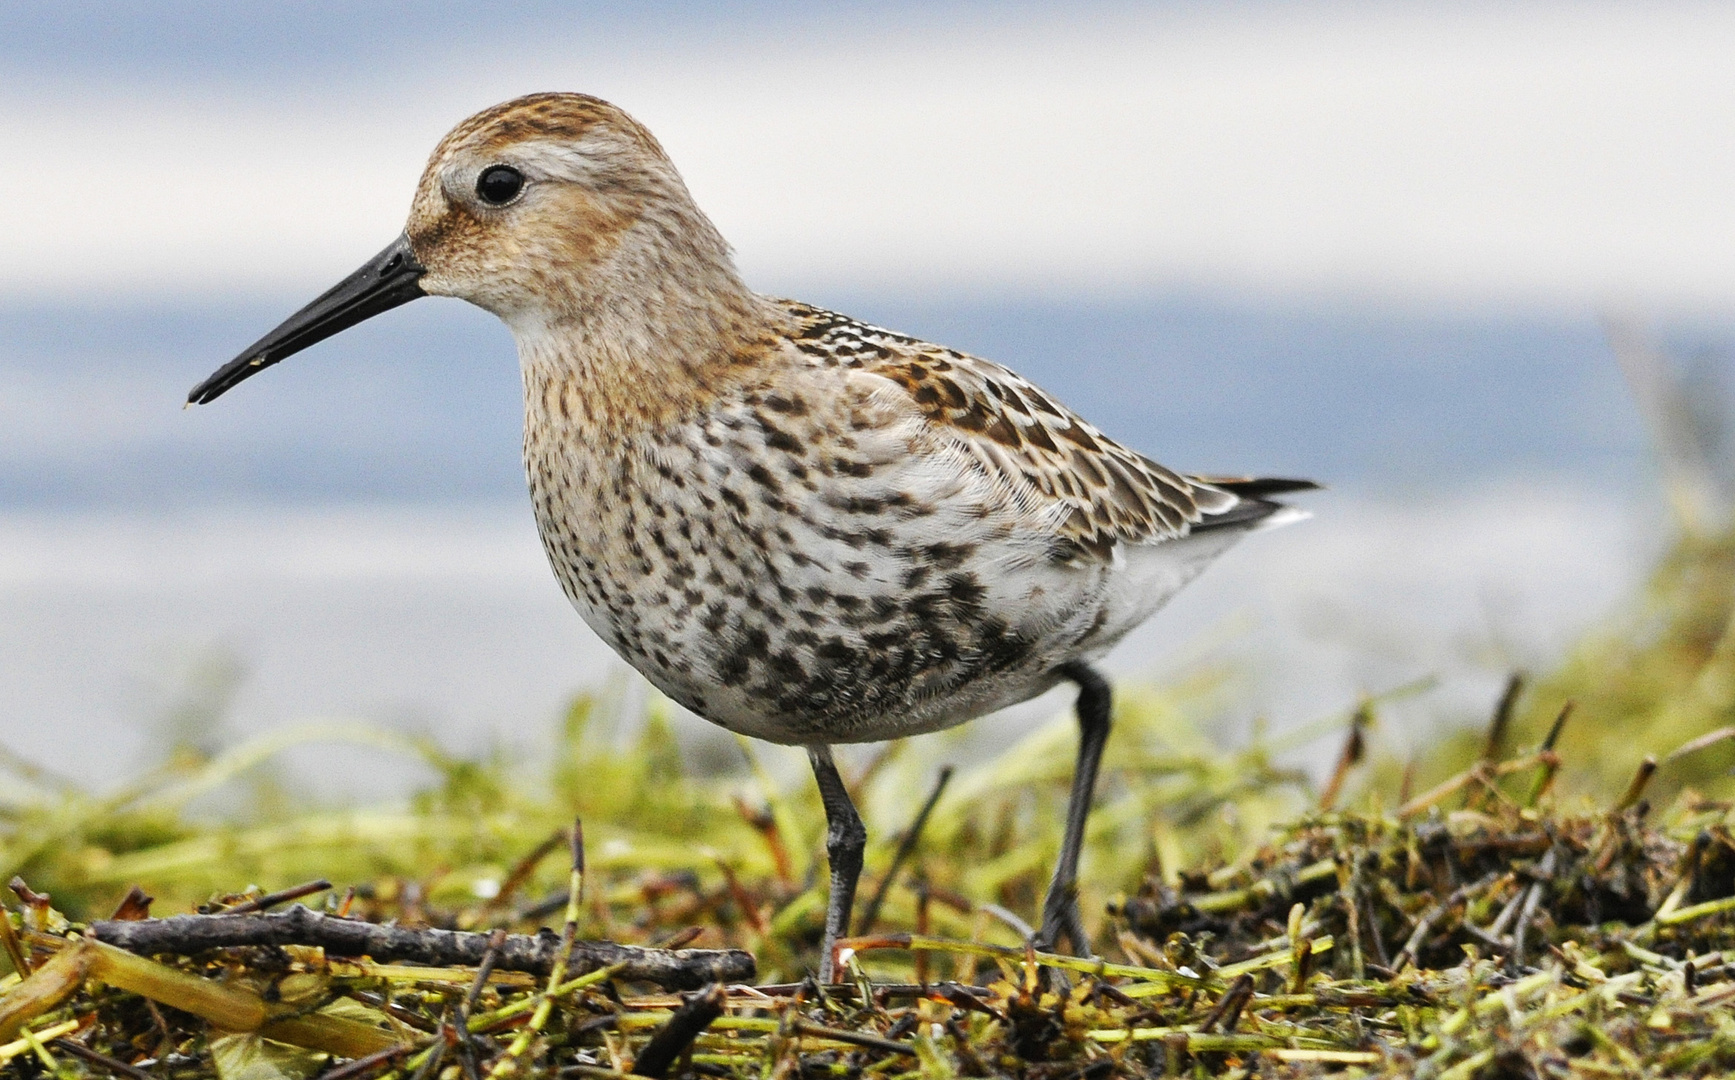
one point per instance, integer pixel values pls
(1210, 858)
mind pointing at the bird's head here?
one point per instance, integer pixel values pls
(540, 210)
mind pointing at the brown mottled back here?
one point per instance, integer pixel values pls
(1015, 429)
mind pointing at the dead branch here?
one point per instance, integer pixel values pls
(183, 935)
(678, 1032)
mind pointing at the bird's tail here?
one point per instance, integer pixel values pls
(1254, 509)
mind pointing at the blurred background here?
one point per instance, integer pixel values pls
(1389, 246)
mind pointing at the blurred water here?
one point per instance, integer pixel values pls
(423, 404)
(350, 528)
(445, 620)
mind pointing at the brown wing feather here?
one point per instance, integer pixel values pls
(1019, 431)
(1256, 487)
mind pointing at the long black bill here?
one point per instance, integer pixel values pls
(388, 279)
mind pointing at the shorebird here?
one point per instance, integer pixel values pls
(799, 526)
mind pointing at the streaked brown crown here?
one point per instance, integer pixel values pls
(563, 116)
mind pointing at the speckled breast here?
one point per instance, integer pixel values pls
(802, 568)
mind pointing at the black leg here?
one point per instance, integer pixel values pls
(1060, 912)
(845, 839)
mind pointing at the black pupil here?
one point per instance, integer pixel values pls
(499, 184)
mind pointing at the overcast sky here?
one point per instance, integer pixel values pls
(1515, 155)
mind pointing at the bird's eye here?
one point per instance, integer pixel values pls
(499, 184)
